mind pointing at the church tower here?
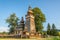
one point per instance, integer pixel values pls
(30, 24)
(20, 28)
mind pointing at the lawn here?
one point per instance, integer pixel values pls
(15, 39)
(24, 39)
(53, 38)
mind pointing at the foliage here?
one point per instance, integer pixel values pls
(54, 31)
(55, 38)
(3, 32)
(39, 18)
(11, 30)
(12, 20)
(48, 29)
(45, 34)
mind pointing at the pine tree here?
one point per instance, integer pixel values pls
(48, 29)
(54, 30)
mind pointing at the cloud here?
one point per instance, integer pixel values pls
(2, 29)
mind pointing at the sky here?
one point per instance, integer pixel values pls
(51, 9)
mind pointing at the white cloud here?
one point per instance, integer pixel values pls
(2, 29)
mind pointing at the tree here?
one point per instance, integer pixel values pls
(39, 18)
(12, 20)
(54, 30)
(48, 29)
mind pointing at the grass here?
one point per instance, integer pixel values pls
(52, 38)
(24, 39)
(15, 39)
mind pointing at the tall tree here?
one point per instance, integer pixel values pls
(39, 18)
(12, 20)
(48, 29)
(53, 30)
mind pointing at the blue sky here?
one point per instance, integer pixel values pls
(51, 9)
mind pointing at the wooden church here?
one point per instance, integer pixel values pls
(26, 27)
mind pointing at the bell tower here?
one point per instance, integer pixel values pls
(30, 24)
